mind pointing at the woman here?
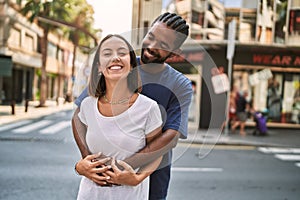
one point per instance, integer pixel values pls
(119, 120)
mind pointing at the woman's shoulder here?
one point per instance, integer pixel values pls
(146, 99)
(88, 99)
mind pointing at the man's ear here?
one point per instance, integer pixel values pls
(175, 52)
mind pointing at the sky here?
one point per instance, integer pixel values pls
(232, 3)
(112, 16)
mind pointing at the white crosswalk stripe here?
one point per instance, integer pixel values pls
(288, 157)
(278, 150)
(189, 169)
(32, 127)
(55, 128)
(284, 154)
(10, 126)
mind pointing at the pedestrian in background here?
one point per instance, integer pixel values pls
(242, 107)
(232, 108)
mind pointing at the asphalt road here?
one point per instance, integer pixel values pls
(36, 163)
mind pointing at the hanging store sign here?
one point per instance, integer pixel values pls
(219, 80)
(259, 76)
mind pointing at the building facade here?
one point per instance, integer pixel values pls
(21, 59)
(143, 14)
(265, 61)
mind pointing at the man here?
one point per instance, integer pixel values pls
(169, 88)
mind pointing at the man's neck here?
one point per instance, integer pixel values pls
(153, 68)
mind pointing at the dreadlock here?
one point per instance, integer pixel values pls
(176, 23)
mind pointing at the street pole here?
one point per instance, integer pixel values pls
(230, 53)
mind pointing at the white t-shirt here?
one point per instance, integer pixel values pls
(119, 137)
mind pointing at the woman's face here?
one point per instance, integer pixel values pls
(114, 59)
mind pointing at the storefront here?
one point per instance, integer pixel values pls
(208, 108)
(271, 75)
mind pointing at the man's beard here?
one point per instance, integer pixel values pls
(157, 58)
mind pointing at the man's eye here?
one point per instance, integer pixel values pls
(150, 37)
(163, 46)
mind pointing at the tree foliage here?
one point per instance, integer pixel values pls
(74, 17)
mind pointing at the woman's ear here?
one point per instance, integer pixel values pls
(99, 68)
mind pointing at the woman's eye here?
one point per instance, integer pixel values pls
(107, 54)
(122, 54)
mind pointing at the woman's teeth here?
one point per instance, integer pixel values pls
(115, 67)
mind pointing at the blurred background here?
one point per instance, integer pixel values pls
(46, 47)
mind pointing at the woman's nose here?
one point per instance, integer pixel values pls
(116, 58)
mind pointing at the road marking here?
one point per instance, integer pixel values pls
(189, 169)
(13, 125)
(217, 146)
(278, 150)
(31, 127)
(297, 164)
(56, 127)
(295, 150)
(288, 157)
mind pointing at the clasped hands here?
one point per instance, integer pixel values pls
(107, 171)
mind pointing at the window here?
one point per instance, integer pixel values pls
(15, 38)
(197, 18)
(146, 27)
(51, 50)
(28, 43)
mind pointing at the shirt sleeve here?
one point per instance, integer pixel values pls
(185, 102)
(154, 119)
(178, 110)
(82, 115)
(81, 97)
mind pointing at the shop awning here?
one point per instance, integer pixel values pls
(5, 65)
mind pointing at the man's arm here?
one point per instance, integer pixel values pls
(169, 138)
(156, 148)
(79, 132)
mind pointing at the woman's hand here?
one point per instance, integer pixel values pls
(123, 177)
(93, 168)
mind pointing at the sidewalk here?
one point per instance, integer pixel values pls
(33, 112)
(276, 137)
(279, 137)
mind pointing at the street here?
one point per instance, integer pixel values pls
(38, 156)
(233, 172)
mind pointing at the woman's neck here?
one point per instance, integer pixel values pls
(117, 91)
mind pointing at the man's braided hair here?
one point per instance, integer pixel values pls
(177, 23)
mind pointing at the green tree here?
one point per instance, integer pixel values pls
(54, 9)
(83, 17)
(74, 17)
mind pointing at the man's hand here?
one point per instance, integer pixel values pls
(123, 177)
(93, 168)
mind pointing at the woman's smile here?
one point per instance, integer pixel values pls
(115, 67)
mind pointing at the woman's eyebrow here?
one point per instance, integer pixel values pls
(123, 48)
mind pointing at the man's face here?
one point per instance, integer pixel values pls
(158, 44)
